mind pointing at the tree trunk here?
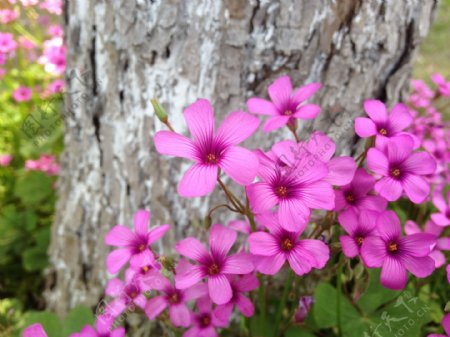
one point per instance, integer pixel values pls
(123, 53)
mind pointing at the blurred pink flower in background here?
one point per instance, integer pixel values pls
(28, 3)
(34, 330)
(444, 87)
(7, 15)
(422, 94)
(2, 72)
(5, 159)
(54, 56)
(46, 164)
(22, 94)
(52, 6)
(56, 31)
(7, 43)
(304, 305)
(26, 43)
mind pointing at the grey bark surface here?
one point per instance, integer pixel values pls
(178, 51)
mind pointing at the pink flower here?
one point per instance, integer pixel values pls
(401, 170)
(355, 195)
(381, 124)
(2, 73)
(56, 86)
(34, 330)
(26, 43)
(444, 87)
(54, 56)
(442, 218)
(359, 227)
(422, 94)
(286, 106)
(280, 245)
(22, 94)
(239, 285)
(7, 15)
(5, 159)
(176, 300)
(52, 6)
(436, 250)
(446, 325)
(7, 43)
(211, 151)
(395, 254)
(56, 30)
(214, 265)
(204, 323)
(304, 305)
(46, 164)
(28, 3)
(134, 246)
(447, 269)
(103, 328)
(294, 188)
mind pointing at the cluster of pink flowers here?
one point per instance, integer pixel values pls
(5, 159)
(294, 191)
(45, 163)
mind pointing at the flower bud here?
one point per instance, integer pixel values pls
(159, 111)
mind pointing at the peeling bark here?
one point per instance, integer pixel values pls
(178, 51)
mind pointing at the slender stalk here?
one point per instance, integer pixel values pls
(262, 297)
(250, 216)
(279, 314)
(233, 199)
(338, 298)
(222, 205)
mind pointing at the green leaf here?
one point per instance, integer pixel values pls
(33, 188)
(34, 259)
(50, 322)
(298, 332)
(77, 318)
(261, 327)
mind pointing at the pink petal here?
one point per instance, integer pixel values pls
(192, 249)
(275, 122)
(221, 239)
(416, 188)
(34, 330)
(119, 236)
(240, 226)
(339, 200)
(322, 146)
(376, 111)
(365, 127)
(305, 92)
(141, 222)
(307, 111)
(223, 312)
(440, 219)
(388, 225)
(119, 332)
(349, 220)
(271, 265)
(293, 215)
(240, 164)
(389, 188)
(180, 315)
(373, 203)
(195, 292)
(198, 181)
(114, 287)
(373, 252)
(309, 170)
(438, 258)
(446, 324)
(188, 279)
(412, 228)
(200, 120)
(157, 233)
(245, 305)
(261, 107)
(418, 245)
(174, 144)
(192, 332)
(443, 243)
(280, 91)
(219, 289)
(286, 151)
(420, 163)
(377, 162)
(117, 259)
(400, 118)
(419, 266)
(362, 182)
(247, 282)
(439, 201)
(299, 261)
(399, 148)
(140, 301)
(393, 274)
(349, 247)
(262, 243)
(241, 263)
(155, 306)
(317, 195)
(236, 128)
(144, 258)
(318, 250)
(261, 196)
(341, 171)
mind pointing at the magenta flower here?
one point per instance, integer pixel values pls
(204, 323)
(422, 94)
(54, 56)
(443, 85)
(134, 247)
(446, 325)
(295, 189)
(52, 6)
(103, 328)
(5, 159)
(239, 285)
(34, 330)
(214, 265)
(22, 94)
(395, 254)
(286, 105)
(211, 151)
(401, 170)
(359, 227)
(304, 305)
(280, 245)
(7, 15)
(441, 244)
(356, 195)
(7, 43)
(442, 218)
(176, 300)
(45, 163)
(381, 124)
(56, 30)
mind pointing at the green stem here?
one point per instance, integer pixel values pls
(262, 297)
(233, 199)
(338, 298)
(279, 314)
(250, 216)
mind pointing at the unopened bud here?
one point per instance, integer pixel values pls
(167, 263)
(208, 222)
(159, 111)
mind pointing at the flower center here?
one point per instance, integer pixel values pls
(282, 191)
(133, 294)
(359, 240)
(287, 245)
(395, 173)
(393, 247)
(141, 247)
(288, 112)
(213, 269)
(383, 131)
(350, 198)
(174, 298)
(211, 158)
(145, 269)
(205, 321)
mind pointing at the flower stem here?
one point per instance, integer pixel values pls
(233, 199)
(262, 297)
(338, 298)
(279, 314)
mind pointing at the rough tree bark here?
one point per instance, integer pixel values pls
(177, 51)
